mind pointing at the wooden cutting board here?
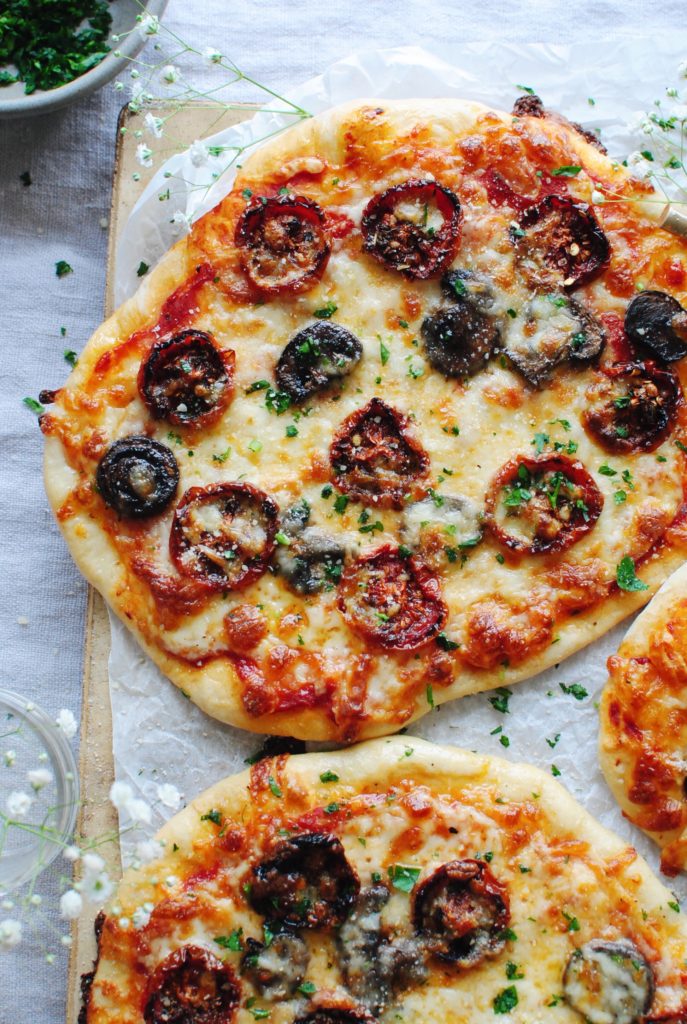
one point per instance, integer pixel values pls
(97, 817)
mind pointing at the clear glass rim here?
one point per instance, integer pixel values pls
(66, 774)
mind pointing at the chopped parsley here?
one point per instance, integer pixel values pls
(500, 701)
(25, 179)
(62, 268)
(526, 88)
(214, 816)
(306, 988)
(506, 1001)
(575, 690)
(555, 771)
(340, 503)
(573, 923)
(552, 743)
(513, 972)
(384, 353)
(445, 643)
(429, 692)
(402, 877)
(142, 269)
(233, 941)
(291, 431)
(328, 310)
(540, 441)
(255, 445)
(567, 171)
(274, 787)
(606, 470)
(626, 577)
(331, 808)
(564, 423)
(34, 406)
(221, 457)
(70, 356)
(329, 776)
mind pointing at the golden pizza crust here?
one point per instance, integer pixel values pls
(643, 736)
(212, 682)
(558, 865)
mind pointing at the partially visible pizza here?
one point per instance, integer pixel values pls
(394, 881)
(643, 745)
(402, 419)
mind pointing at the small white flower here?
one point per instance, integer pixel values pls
(39, 778)
(171, 881)
(66, 940)
(181, 220)
(212, 55)
(137, 92)
(9, 757)
(119, 86)
(18, 804)
(71, 904)
(96, 888)
(640, 166)
(71, 853)
(42, 757)
(50, 958)
(597, 197)
(10, 933)
(148, 24)
(30, 706)
(141, 915)
(67, 723)
(124, 922)
(199, 153)
(35, 900)
(148, 850)
(170, 74)
(93, 863)
(144, 155)
(7, 905)
(169, 795)
(139, 811)
(682, 69)
(120, 795)
(153, 124)
(134, 74)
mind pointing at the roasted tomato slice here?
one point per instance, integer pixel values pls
(541, 504)
(283, 243)
(413, 228)
(307, 882)
(559, 244)
(632, 407)
(137, 476)
(658, 321)
(315, 358)
(337, 1015)
(223, 535)
(187, 379)
(374, 456)
(191, 986)
(460, 913)
(393, 601)
(609, 981)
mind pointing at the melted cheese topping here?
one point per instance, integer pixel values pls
(503, 613)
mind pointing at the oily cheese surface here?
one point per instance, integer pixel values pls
(393, 804)
(508, 616)
(644, 722)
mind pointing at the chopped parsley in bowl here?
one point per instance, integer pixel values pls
(53, 52)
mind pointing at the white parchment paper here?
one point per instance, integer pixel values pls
(159, 735)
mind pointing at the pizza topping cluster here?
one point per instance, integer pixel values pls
(413, 228)
(609, 982)
(658, 321)
(187, 379)
(316, 357)
(543, 503)
(283, 243)
(191, 986)
(138, 476)
(311, 560)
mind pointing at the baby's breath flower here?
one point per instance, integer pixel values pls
(50, 958)
(682, 69)
(212, 55)
(123, 922)
(96, 888)
(18, 804)
(141, 915)
(71, 853)
(7, 905)
(120, 794)
(66, 940)
(9, 757)
(181, 220)
(71, 904)
(148, 24)
(170, 74)
(169, 795)
(35, 899)
(135, 73)
(139, 811)
(153, 124)
(92, 863)
(597, 197)
(67, 723)
(39, 778)
(10, 933)
(199, 153)
(171, 881)
(144, 155)
(119, 86)
(640, 166)
(148, 850)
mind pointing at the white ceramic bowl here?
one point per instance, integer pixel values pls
(15, 103)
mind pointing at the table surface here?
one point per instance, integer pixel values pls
(60, 217)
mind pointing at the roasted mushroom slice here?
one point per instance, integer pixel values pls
(187, 379)
(559, 244)
(459, 340)
(376, 964)
(315, 358)
(278, 968)
(312, 560)
(393, 601)
(609, 982)
(440, 528)
(413, 228)
(541, 504)
(137, 476)
(632, 407)
(469, 286)
(306, 882)
(191, 986)
(460, 913)
(283, 243)
(658, 321)
(223, 535)
(375, 455)
(548, 330)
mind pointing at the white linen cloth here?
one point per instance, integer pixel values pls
(70, 158)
